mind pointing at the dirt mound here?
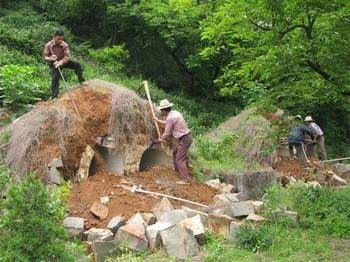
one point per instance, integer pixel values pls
(53, 128)
(123, 202)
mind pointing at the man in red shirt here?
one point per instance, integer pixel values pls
(175, 126)
(57, 54)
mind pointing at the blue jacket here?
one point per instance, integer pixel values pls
(297, 134)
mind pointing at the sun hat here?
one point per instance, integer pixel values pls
(308, 119)
(298, 117)
(164, 104)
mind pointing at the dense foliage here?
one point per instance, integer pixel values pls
(30, 227)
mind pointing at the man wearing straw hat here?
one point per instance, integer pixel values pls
(319, 137)
(175, 126)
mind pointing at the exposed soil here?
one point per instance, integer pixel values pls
(125, 203)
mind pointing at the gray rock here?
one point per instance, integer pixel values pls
(161, 207)
(54, 176)
(257, 205)
(85, 162)
(132, 237)
(219, 224)
(255, 218)
(321, 176)
(152, 233)
(136, 219)
(98, 234)
(194, 224)
(115, 223)
(214, 183)
(252, 185)
(226, 188)
(192, 212)
(342, 170)
(338, 181)
(74, 226)
(225, 198)
(56, 162)
(102, 250)
(242, 208)
(173, 216)
(234, 228)
(149, 218)
(179, 242)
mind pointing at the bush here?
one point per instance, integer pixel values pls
(21, 85)
(255, 238)
(112, 58)
(30, 229)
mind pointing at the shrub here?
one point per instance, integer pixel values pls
(112, 58)
(21, 85)
(30, 229)
(255, 238)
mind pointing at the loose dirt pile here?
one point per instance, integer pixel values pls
(123, 202)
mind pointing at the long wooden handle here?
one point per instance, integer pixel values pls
(145, 83)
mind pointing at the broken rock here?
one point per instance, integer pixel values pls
(152, 233)
(215, 183)
(102, 250)
(242, 208)
(192, 212)
(85, 162)
(161, 207)
(99, 210)
(98, 234)
(149, 218)
(56, 162)
(342, 170)
(115, 223)
(173, 216)
(54, 176)
(226, 188)
(257, 205)
(136, 219)
(219, 224)
(74, 226)
(179, 242)
(194, 224)
(132, 237)
(338, 181)
(255, 218)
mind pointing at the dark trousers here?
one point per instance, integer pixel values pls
(180, 156)
(55, 75)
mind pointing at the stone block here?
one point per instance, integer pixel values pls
(98, 234)
(74, 226)
(219, 224)
(132, 237)
(173, 216)
(103, 250)
(115, 223)
(153, 233)
(99, 210)
(161, 207)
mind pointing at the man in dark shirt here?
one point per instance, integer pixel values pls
(57, 54)
(296, 139)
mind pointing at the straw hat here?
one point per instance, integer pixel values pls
(308, 119)
(164, 104)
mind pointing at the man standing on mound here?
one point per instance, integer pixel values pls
(175, 125)
(57, 54)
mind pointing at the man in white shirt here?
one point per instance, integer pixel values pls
(319, 137)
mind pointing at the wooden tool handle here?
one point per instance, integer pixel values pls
(145, 83)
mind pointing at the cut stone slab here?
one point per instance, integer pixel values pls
(136, 219)
(85, 162)
(56, 162)
(115, 223)
(99, 210)
(255, 218)
(215, 183)
(192, 212)
(226, 188)
(74, 226)
(257, 205)
(149, 218)
(98, 234)
(242, 208)
(342, 170)
(54, 176)
(179, 242)
(163, 206)
(132, 237)
(251, 185)
(234, 228)
(219, 224)
(152, 233)
(194, 224)
(173, 216)
(103, 250)
(338, 181)
(291, 215)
